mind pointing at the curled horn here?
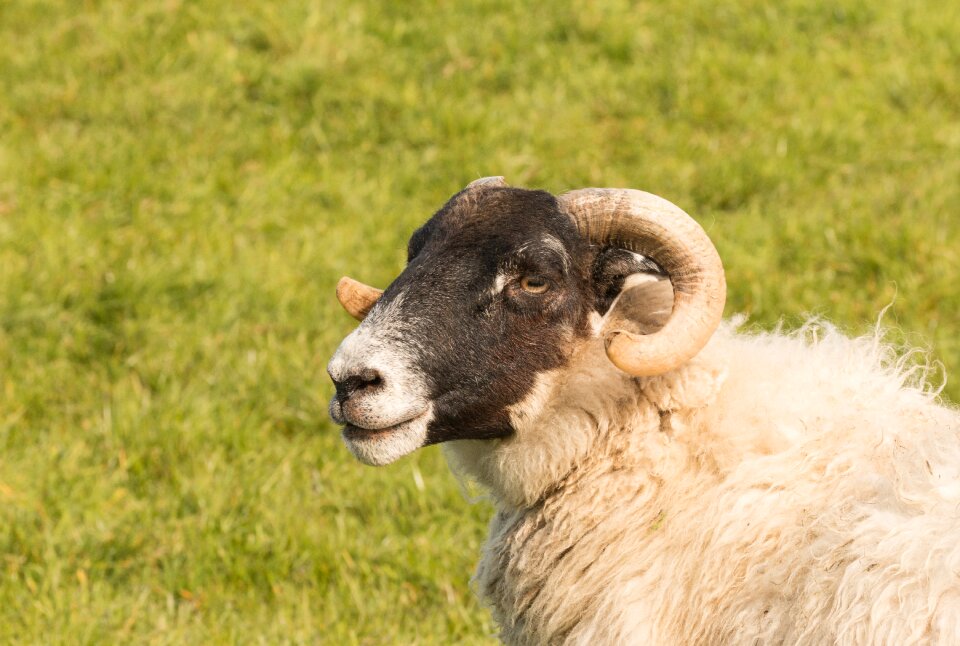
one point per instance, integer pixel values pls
(652, 226)
(356, 297)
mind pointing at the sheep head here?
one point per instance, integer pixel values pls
(502, 284)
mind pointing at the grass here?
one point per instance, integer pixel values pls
(182, 182)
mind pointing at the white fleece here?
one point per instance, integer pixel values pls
(779, 488)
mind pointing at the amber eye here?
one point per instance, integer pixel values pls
(534, 284)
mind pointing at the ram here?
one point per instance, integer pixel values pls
(659, 477)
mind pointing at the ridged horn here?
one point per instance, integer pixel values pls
(356, 297)
(652, 226)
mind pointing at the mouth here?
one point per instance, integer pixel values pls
(354, 432)
(379, 446)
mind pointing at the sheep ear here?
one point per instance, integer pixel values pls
(612, 267)
(644, 304)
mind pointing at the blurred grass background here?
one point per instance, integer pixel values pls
(182, 182)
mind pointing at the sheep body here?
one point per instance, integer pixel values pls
(779, 488)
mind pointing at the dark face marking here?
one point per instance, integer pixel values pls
(498, 285)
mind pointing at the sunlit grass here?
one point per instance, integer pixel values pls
(181, 184)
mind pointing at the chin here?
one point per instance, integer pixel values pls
(383, 446)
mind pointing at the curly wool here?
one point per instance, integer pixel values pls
(779, 488)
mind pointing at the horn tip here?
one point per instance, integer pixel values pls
(491, 181)
(355, 297)
(620, 347)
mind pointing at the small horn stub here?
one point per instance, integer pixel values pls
(357, 298)
(495, 180)
(650, 225)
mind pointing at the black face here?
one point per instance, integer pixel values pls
(498, 285)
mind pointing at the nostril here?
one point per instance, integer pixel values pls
(370, 378)
(366, 379)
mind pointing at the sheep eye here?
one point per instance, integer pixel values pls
(534, 284)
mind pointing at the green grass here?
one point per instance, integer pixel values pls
(182, 182)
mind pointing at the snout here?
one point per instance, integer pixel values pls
(373, 398)
(356, 389)
(381, 399)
